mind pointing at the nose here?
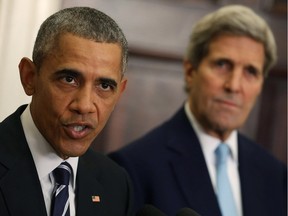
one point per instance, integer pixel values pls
(83, 101)
(233, 82)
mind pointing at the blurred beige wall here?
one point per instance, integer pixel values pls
(19, 23)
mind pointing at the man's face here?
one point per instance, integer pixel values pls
(225, 86)
(74, 92)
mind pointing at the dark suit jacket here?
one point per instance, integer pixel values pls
(168, 169)
(20, 189)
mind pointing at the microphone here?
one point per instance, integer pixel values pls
(149, 210)
(187, 212)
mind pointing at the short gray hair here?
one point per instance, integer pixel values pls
(84, 22)
(234, 20)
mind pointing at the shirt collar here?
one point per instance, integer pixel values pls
(44, 156)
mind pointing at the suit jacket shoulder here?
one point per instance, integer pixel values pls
(263, 180)
(18, 174)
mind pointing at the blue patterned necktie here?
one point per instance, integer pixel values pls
(224, 191)
(60, 199)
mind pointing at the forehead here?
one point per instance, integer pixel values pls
(228, 42)
(76, 52)
(70, 42)
(237, 48)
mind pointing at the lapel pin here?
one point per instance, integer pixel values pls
(96, 199)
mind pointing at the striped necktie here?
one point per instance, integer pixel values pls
(60, 199)
(224, 191)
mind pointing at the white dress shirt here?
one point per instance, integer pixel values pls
(209, 144)
(46, 160)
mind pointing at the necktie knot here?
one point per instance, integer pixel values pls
(62, 173)
(222, 152)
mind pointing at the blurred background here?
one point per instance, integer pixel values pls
(157, 32)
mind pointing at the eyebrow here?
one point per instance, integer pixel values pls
(69, 72)
(75, 73)
(230, 61)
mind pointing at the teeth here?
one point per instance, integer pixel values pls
(79, 128)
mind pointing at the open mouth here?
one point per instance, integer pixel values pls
(79, 128)
(77, 131)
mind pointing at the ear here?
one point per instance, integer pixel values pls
(122, 86)
(27, 71)
(189, 71)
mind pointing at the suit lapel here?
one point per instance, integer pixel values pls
(19, 182)
(188, 164)
(253, 192)
(87, 185)
(22, 190)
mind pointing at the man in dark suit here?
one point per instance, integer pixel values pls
(75, 80)
(176, 165)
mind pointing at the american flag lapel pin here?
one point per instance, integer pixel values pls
(96, 199)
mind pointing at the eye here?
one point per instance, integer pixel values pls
(220, 63)
(69, 79)
(107, 84)
(252, 71)
(223, 64)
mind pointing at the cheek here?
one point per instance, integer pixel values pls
(105, 107)
(252, 92)
(53, 103)
(207, 88)
(251, 98)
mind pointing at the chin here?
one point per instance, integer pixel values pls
(74, 152)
